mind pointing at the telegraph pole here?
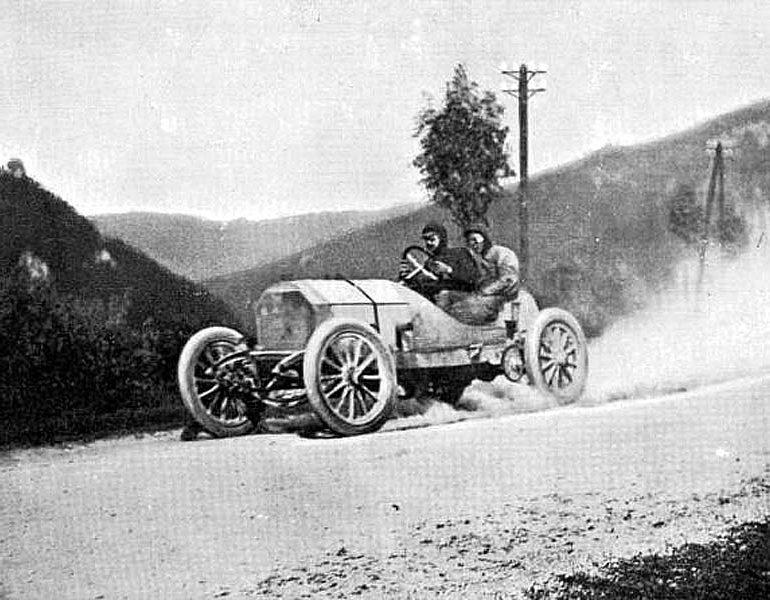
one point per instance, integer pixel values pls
(716, 186)
(523, 93)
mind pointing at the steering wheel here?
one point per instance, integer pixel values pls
(418, 258)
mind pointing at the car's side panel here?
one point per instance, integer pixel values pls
(458, 357)
(360, 312)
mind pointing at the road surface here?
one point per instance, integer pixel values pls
(478, 508)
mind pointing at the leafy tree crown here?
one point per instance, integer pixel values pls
(463, 150)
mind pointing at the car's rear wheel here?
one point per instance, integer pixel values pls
(556, 355)
(208, 373)
(350, 377)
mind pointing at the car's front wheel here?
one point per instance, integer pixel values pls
(209, 373)
(350, 377)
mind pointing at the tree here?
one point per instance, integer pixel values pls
(733, 231)
(685, 215)
(463, 155)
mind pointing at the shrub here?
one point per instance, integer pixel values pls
(65, 355)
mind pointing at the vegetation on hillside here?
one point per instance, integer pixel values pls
(463, 150)
(36, 221)
(90, 329)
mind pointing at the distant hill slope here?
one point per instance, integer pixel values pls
(199, 249)
(35, 221)
(599, 239)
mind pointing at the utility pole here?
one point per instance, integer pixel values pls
(716, 185)
(523, 93)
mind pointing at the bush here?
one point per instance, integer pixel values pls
(66, 361)
(596, 296)
(686, 215)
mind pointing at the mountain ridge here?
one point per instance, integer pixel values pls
(200, 248)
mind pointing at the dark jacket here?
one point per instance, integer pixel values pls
(465, 272)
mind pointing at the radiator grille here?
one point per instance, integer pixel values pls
(284, 320)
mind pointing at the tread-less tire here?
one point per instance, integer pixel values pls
(350, 377)
(556, 356)
(202, 375)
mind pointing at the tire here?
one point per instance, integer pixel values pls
(219, 412)
(349, 391)
(556, 357)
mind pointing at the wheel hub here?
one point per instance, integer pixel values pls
(234, 378)
(560, 357)
(349, 376)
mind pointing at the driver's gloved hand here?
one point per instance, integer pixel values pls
(403, 269)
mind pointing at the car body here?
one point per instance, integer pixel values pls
(352, 348)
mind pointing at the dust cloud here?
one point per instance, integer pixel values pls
(688, 335)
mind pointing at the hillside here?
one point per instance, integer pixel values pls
(599, 239)
(90, 328)
(36, 221)
(199, 249)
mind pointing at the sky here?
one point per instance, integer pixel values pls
(243, 109)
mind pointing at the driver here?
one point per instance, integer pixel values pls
(454, 268)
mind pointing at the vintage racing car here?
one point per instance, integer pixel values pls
(353, 348)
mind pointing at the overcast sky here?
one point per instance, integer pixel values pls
(261, 109)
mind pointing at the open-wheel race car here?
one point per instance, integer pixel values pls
(353, 349)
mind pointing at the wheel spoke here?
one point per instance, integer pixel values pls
(336, 388)
(363, 409)
(369, 398)
(332, 357)
(225, 407)
(546, 363)
(215, 404)
(341, 405)
(562, 338)
(331, 365)
(369, 393)
(240, 408)
(357, 351)
(213, 389)
(340, 354)
(550, 373)
(558, 377)
(204, 366)
(351, 403)
(208, 354)
(365, 364)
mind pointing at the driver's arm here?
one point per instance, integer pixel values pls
(441, 268)
(464, 270)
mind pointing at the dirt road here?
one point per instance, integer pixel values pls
(479, 508)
